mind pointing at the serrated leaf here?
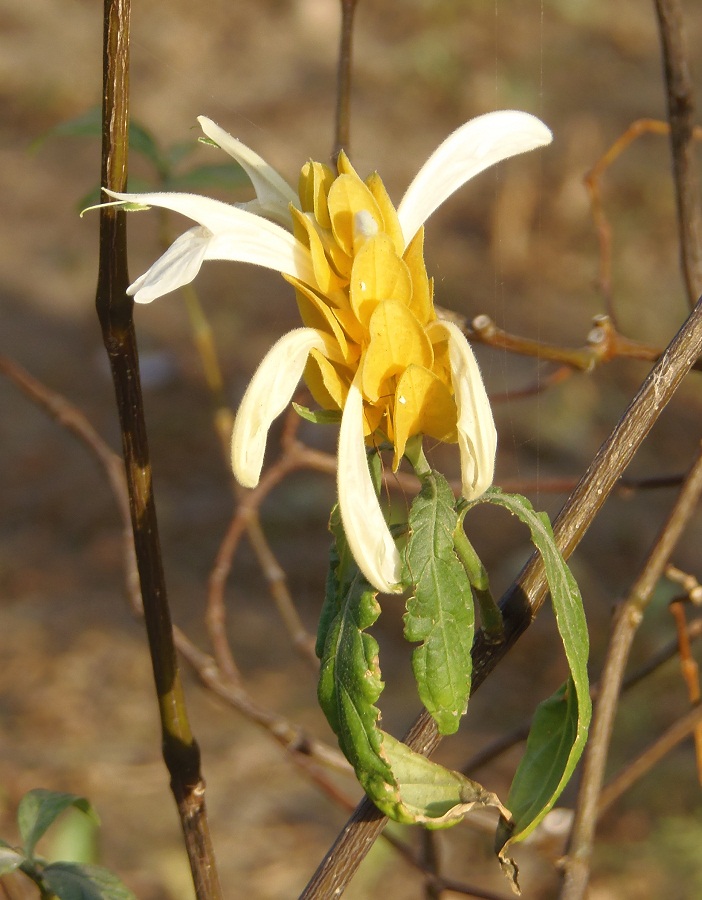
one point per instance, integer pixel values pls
(39, 808)
(560, 726)
(440, 613)
(405, 786)
(349, 678)
(71, 881)
(431, 794)
(10, 859)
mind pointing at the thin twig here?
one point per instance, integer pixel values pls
(653, 754)
(681, 110)
(245, 519)
(504, 742)
(690, 671)
(604, 344)
(525, 597)
(342, 125)
(290, 736)
(429, 857)
(627, 619)
(593, 184)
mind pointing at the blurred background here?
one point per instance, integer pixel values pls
(77, 710)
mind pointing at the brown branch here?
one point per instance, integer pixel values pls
(690, 671)
(304, 750)
(681, 109)
(524, 598)
(245, 519)
(593, 181)
(593, 184)
(604, 344)
(342, 124)
(430, 861)
(653, 754)
(180, 750)
(628, 617)
(504, 742)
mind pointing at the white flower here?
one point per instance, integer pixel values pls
(373, 346)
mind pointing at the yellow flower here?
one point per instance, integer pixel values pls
(372, 347)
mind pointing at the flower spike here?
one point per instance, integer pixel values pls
(373, 348)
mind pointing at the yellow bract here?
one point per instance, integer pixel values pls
(371, 302)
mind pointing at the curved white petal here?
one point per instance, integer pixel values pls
(475, 146)
(234, 234)
(366, 530)
(267, 395)
(178, 266)
(273, 193)
(477, 436)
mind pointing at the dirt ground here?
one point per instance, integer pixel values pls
(77, 710)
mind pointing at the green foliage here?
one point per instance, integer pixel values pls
(404, 785)
(442, 569)
(559, 729)
(165, 162)
(432, 795)
(318, 416)
(38, 811)
(440, 613)
(349, 680)
(71, 881)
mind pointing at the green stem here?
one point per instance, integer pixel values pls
(490, 614)
(414, 452)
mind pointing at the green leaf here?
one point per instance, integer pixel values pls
(405, 786)
(39, 808)
(432, 795)
(349, 678)
(89, 124)
(552, 751)
(318, 416)
(202, 178)
(73, 838)
(560, 726)
(71, 881)
(440, 613)
(10, 859)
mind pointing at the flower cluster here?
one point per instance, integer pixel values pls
(371, 347)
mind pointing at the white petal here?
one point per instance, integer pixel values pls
(267, 395)
(475, 146)
(477, 436)
(241, 236)
(368, 535)
(178, 266)
(273, 193)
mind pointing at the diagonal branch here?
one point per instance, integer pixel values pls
(628, 618)
(524, 598)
